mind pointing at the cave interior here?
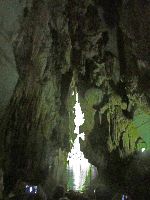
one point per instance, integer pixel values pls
(75, 99)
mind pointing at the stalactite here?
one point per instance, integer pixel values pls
(115, 127)
(109, 122)
(60, 39)
(100, 118)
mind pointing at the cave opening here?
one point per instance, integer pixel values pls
(99, 49)
(80, 172)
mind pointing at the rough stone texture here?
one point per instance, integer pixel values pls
(9, 23)
(1, 184)
(100, 48)
(113, 84)
(32, 123)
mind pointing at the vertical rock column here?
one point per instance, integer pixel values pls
(42, 53)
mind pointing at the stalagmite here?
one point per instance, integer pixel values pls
(99, 49)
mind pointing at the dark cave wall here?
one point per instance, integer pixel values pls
(100, 48)
(112, 84)
(32, 125)
(9, 23)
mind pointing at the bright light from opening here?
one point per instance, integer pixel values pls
(30, 189)
(143, 149)
(77, 163)
(79, 119)
(124, 197)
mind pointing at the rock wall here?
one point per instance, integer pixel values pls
(9, 23)
(113, 86)
(100, 48)
(32, 125)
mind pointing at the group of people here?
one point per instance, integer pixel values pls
(28, 192)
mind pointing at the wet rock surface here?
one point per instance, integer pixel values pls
(99, 49)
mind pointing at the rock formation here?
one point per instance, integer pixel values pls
(99, 48)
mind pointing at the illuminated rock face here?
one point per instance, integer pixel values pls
(100, 48)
